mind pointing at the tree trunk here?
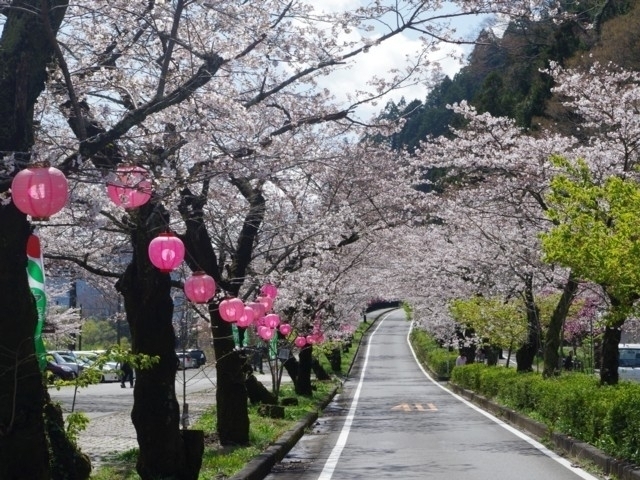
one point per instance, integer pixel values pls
(149, 309)
(335, 359)
(292, 367)
(25, 51)
(303, 385)
(527, 353)
(68, 463)
(554, 332)
(318, 370)
(231, 394)
(23, 445)
(609, 366)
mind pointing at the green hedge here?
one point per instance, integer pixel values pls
(575, 404)
(437, 359)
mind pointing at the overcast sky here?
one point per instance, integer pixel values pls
(391, 54)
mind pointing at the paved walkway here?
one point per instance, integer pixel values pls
(109, 434)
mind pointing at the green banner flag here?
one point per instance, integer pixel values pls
(35, 273)
(236, 337)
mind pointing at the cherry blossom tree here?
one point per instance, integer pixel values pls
(133, 83)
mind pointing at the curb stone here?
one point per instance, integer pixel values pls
(570, 446)
(259, 467)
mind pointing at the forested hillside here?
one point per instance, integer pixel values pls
(503, 75)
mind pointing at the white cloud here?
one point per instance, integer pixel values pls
(396, 53)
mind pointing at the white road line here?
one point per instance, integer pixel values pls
(562, 461)
(334, 456)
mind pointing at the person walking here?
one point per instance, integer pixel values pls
(256, 359)
(127, 375)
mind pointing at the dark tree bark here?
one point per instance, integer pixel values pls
(611, 339)
(292, 367)
(231, 394)
(149, 308)
(25, 51)
(609, 366)
(554, 333)
(303, 385)
(258, 393)
(318, 370)
(67, 462)
(335, 359)
(527, 353)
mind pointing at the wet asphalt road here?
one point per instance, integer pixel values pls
(393, 421)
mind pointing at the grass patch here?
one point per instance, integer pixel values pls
(220, 462)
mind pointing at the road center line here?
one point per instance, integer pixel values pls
(334, 456)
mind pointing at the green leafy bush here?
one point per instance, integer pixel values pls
(437, 359)
(575, 404)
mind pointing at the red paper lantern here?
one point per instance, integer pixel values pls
(199, 287)
(269, 290)
(129, 187)
(166, 252)
(300, 342)
(285, 329)
(39, 191)
(231, 309)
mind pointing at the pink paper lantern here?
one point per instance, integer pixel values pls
(267, 302)
(311, 339)
(246, 318)
(300, 342)
(129, 187)
(269, 290)
(39, 191)
(199, 287)
(166, 252)
(272, 320)
(231, 309)
(258, 310)
(285, 329)
(265, 333)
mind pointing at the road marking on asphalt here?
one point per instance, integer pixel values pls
(551, 454)
(334, 456)
(405, 407)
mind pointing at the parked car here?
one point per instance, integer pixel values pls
(109, 371)
(67, 359)
(629, 361)
(59, 372)
(186, 361)
(198, 355)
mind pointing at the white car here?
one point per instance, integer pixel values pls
(110, 372)
(629, 361)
